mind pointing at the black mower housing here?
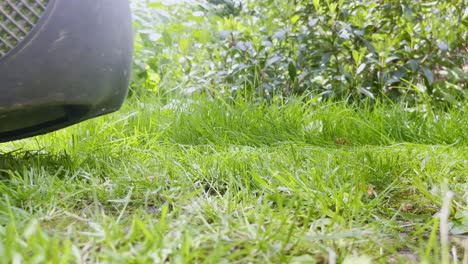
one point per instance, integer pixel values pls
(74, 64)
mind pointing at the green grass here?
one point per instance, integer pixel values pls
(216, 182)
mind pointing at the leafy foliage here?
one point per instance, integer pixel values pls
(403, 50)
(226, 7)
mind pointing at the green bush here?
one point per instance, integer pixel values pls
(401, 50)
(170, 46)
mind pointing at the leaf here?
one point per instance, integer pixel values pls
(459, 229)
(273, 60)
(460, 225)
(344, 34)
(428, 75)
(358, 33)
(414, 65)
(325, 59)
(313, 22)
(223, 34)
(442, 46)
(396, 76)
(184, 45)
(361, 68)
(407, 12)
(391, 58)
(369, 46)
(292, 71)
(266, 43)
(280, 34)
(241, 46)
(154, 36)
(294, 19)
(156, 5)
(317, 4)
(366, 92)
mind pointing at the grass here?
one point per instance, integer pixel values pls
(216, 182)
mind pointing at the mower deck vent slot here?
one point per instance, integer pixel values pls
(17, 18)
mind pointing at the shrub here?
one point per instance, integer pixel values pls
(402, 50)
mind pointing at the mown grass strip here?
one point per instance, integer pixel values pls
(210, 182)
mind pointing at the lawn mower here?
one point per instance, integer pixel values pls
(61, 62)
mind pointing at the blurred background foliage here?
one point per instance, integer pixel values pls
(361, 50)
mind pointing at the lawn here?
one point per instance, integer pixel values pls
(234, 182)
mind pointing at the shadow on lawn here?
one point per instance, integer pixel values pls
(20, 161)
